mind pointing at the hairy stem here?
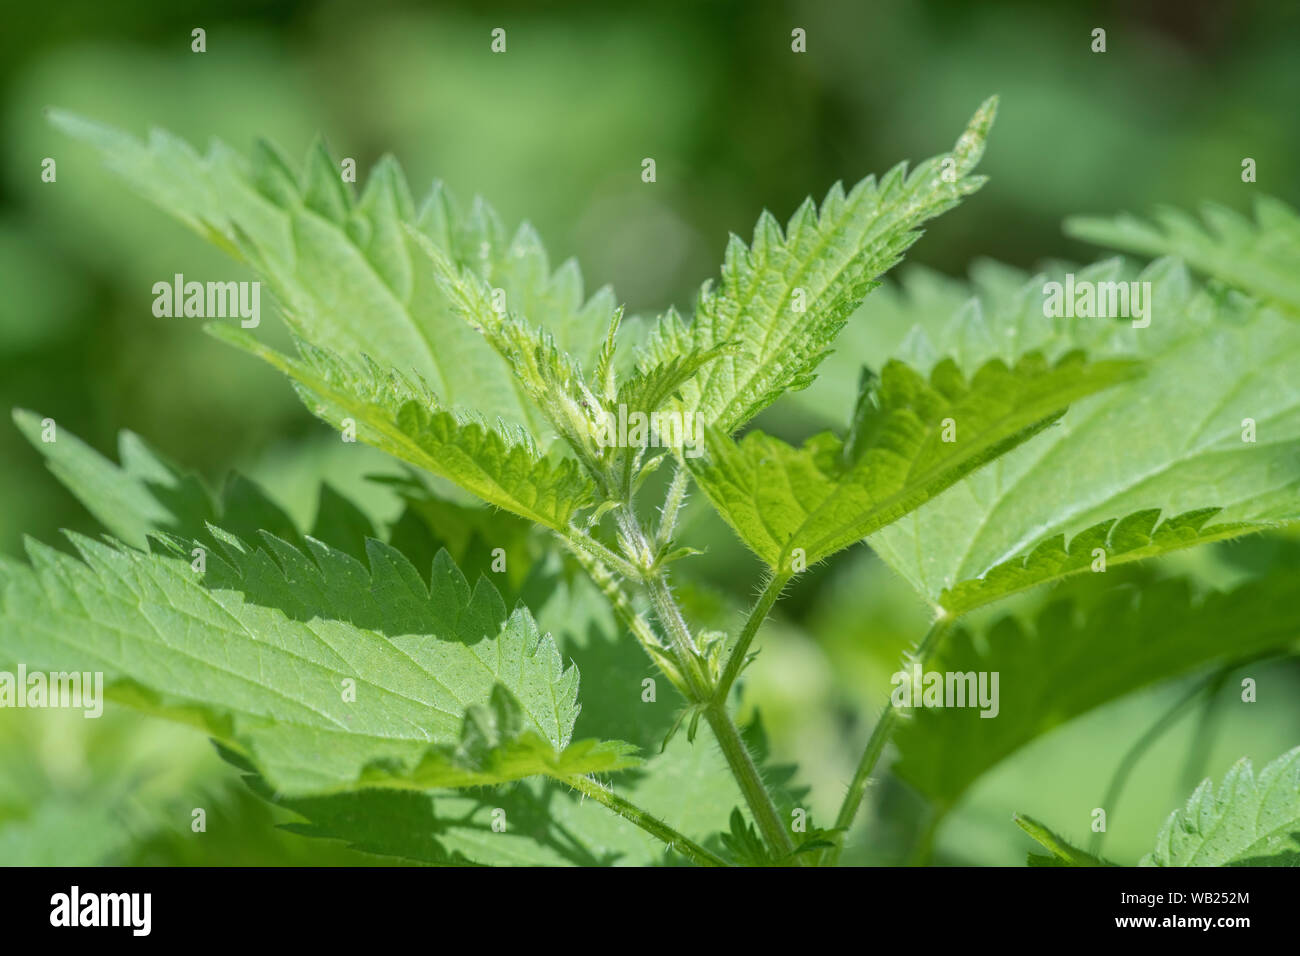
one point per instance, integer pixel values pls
(757, 616)
(751, 784)
(652, 825)
(670, 617)
(581, 543)
(700, 689)
(666, 609)
(880, 736)
(632, 619)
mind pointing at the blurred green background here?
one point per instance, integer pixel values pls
(555, 132)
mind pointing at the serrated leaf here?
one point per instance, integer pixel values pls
(470, 534)
(452, 829)
(643, 399)
(258, 648)
(686, 785)
(650, 388)
(1170, 443)
(783, 299)
(1258, 257)
(548, 825)
(1146, 633)
(550, 377)
(501, 465)
(348, 273)
(1063, 854)
(743, 844)
(1105, 545)
(1249, 821)
(830, 493)
(147, 493)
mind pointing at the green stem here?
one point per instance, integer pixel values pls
(581, 543)
(700, 689)
(1133, 756)
(632, 619)
(880, 736)
(661, 599)
(924, 848)
(688, 657)
(652, 825)
(1202, 742)
(757, 616)
(751, 784)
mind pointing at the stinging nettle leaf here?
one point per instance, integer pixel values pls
(501, 465)
(1149, 631)
(347, 270)
(550, 377)
(1176, 443)
(1063, 853)
(910, 439)
(148, 494)
(783, 298)
(1248, 821)
(1258, 257)
(329, 674)
(1139, 535)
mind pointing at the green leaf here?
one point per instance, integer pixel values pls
(550, 377)
(585, 416)
(686, 785)
(1063, 854)
(470, 534)
(1105, 545)
(264, 649)
(501, 465)
(783, 299)
(341, 524)
(1249, 822)
(910, 439)
(1170, 443)
(548, 825)
(146, 493)
(1147, 632)
(450, 829)
(1258, 257)
(743, 844)
(348, 272)
(650, 388)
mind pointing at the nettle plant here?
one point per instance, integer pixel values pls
(361, 680)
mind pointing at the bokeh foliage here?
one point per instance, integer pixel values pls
(555, 132)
